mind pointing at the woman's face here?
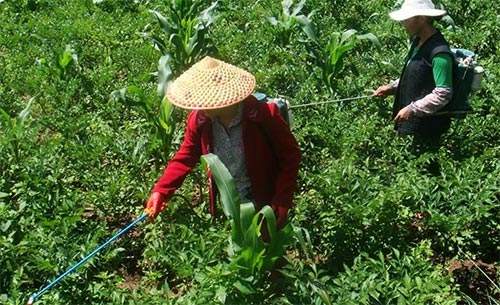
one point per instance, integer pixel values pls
(226, 112)
(413, 25)
(213, 113)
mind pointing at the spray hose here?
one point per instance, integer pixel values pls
(42, 290)
(439, 113)
(332, 101)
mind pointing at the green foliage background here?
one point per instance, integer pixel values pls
(81, 164)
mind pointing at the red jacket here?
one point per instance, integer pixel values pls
(271, 151)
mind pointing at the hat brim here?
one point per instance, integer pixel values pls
(210, 84)
(404, 14)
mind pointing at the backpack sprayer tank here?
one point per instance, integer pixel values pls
(467, 78)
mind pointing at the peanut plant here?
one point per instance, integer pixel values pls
(386, 218)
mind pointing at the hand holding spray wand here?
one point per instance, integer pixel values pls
(42, 290)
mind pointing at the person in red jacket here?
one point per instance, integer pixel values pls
(249, 137)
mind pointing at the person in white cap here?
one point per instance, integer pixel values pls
(249, 137)
(426, 82)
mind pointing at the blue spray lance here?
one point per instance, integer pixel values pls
(42, 290)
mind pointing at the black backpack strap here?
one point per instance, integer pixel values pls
(436, 44)
(439, 50)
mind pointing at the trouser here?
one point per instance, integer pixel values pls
(428, 129)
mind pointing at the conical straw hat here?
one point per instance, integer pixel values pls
(210, 84)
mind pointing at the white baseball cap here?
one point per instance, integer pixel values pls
(412, 8)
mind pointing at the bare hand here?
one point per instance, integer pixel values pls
(404, 114)
(383, 91)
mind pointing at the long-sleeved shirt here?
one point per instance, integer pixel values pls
(442, 69)
(228, 146)
(272, 155)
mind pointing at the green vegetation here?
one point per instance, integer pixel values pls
(289, 19)
(330, 57)
(251, 253)
(384, 220)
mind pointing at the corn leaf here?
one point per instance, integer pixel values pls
(164, 25)
(164, 74)
(268, 215)
(372, 38)
(27, 110)
(286, 4)
(68, 56)
(166, 110)
(225, 184)
(250, 253)
(206, 16)
(298, 7)
(247, 211)
(347, 35)
(244, 288)
(272, 20)
(159, 44)
(307, 27)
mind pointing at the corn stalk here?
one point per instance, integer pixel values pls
(186, 39)
(290, 19)
(185, 42)
(330, 57)
(250, 254)
(161, 116)
(13, 128)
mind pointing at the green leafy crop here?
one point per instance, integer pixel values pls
(249, 251)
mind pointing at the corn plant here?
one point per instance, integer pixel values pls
(250, 254)
(330, 58)
(186, 31)
(160, 115)
(290, 19)
(13, 128)
(66, 59)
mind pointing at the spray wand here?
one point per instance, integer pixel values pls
(42, 290)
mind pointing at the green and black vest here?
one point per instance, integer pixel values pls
(417, 81)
